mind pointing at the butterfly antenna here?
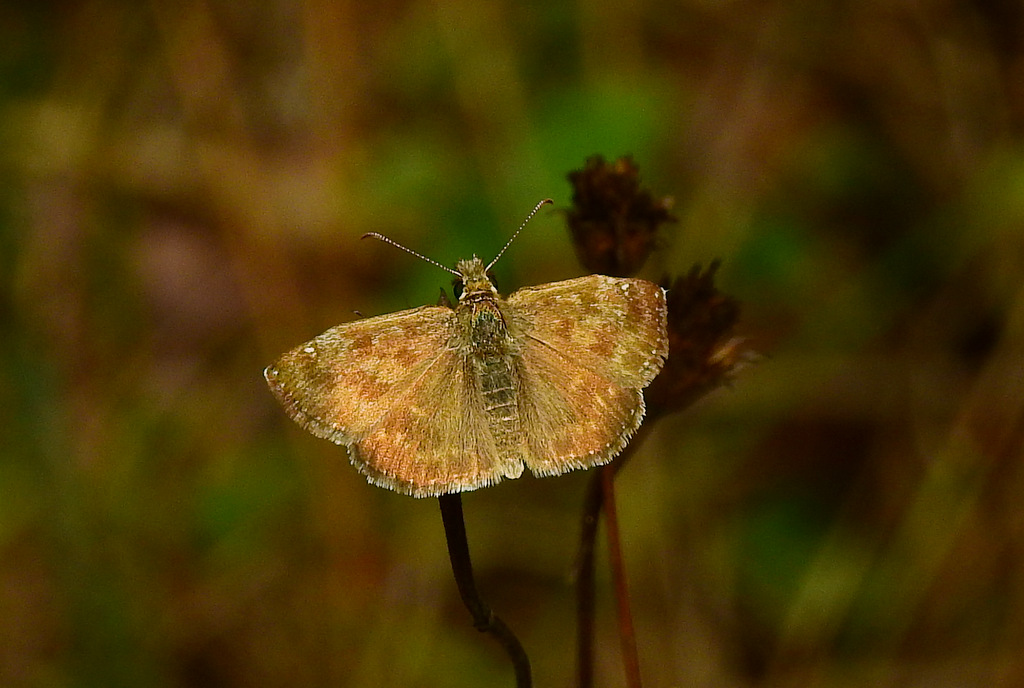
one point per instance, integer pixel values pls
(528, 218)
(409, 250)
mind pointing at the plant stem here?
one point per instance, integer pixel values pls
(627, 636)
(585, 593)
(484, 619)
(593, 502)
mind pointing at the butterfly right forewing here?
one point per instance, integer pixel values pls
(342, 382)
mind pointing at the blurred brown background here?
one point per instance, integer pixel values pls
(184, 185)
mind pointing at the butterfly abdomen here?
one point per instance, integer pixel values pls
(493, 363)
(497, 387)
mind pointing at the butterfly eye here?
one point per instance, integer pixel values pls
(494, 279)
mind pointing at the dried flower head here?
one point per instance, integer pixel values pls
(703, 354)
(613, 222)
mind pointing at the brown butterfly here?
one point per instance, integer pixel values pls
(435, 399)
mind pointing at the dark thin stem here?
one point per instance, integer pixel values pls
(627, 637)
(484, 619)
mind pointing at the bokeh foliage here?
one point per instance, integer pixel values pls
(184, 187)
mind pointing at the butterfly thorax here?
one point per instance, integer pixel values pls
(480, 311)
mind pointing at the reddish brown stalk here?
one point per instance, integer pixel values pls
(627, 636)
(593, 502)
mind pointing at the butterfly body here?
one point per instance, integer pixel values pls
(435, 400)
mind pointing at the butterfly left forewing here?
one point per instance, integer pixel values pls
(614, 326)
(589, 346)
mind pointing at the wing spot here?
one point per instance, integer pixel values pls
(368, 385)
(406, 356)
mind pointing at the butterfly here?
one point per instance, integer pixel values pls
(440, 399)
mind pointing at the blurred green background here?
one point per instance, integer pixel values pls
(184, 186)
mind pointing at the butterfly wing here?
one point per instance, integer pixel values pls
(400, 397)
(589, 346)
(437, 438)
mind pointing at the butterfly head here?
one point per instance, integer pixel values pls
(475, 281)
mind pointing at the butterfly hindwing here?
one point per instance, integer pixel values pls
(437, 438)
